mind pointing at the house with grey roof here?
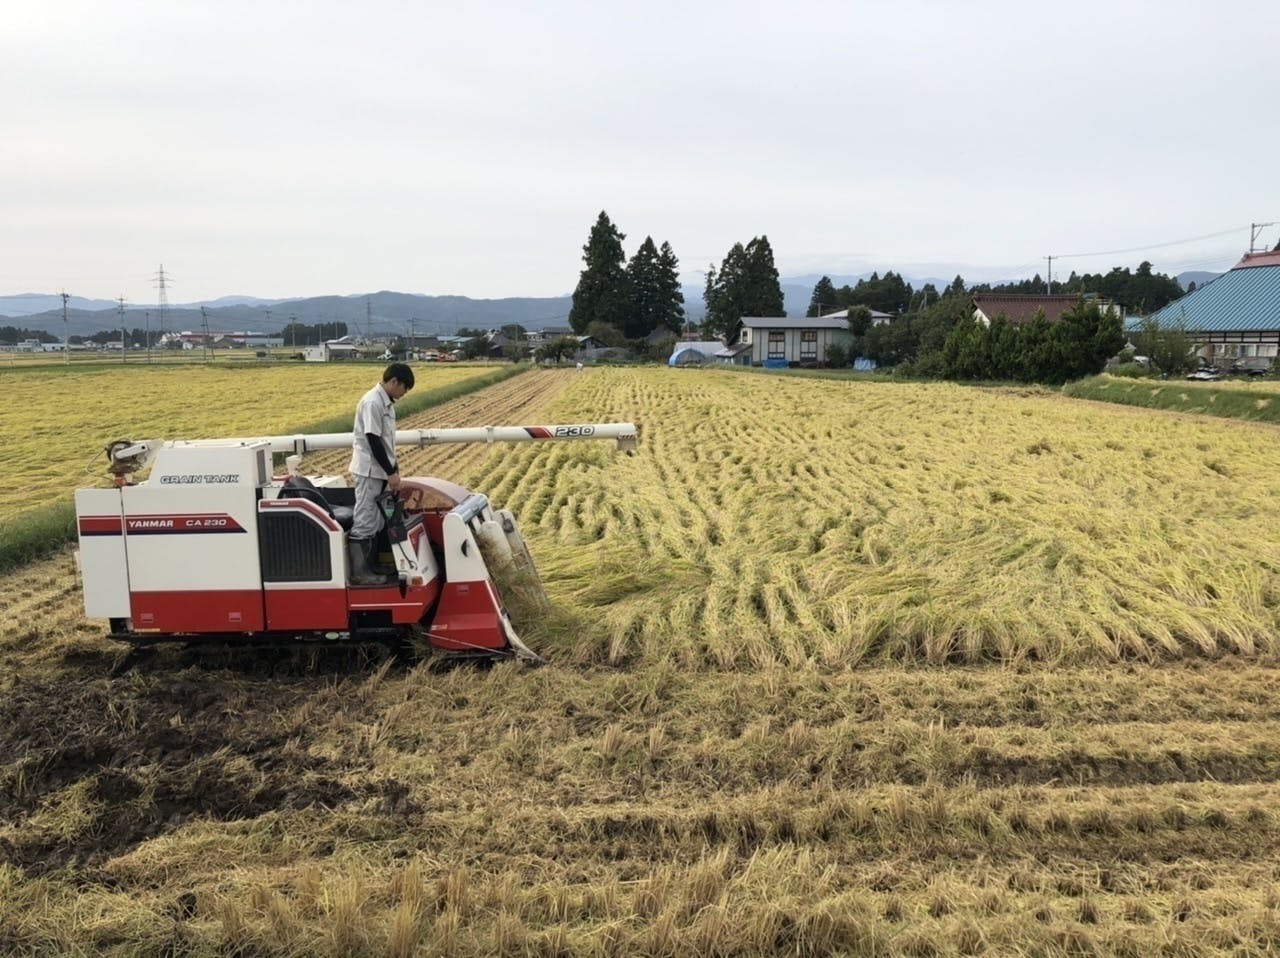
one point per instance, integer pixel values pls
(1234, 318)
(877, 318)
(791, 340)
(547, 334)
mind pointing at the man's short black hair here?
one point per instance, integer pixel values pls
(400, 372)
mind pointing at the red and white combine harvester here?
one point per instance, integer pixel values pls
(213, 544)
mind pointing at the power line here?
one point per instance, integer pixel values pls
(1217, 264)
(1139, 249)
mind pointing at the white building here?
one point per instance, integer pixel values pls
(330, 350)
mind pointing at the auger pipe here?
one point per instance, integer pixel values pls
(624, 433)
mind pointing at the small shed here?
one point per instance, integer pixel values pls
(333, 349)
(739, 355)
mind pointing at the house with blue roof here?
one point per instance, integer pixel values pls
(1236, 317)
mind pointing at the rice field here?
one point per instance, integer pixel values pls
(836, 668)
(785, 521)
(56, 421)
(137, 357)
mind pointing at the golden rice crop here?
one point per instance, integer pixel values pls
(780, 520)
(55, 422)
(738, 786)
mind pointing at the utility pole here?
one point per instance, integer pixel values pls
(293, 330)
(66, 330)
(1254, 230)
(124, 333)
(409, 350)
(204, 321)
(146, 318)
(368, 320)
(1050, 259)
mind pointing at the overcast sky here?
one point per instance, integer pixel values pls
(279, 149)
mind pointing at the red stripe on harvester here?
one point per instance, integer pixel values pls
(99, 525)
(537, 432)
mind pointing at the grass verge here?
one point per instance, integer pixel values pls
(42, 531)
(1234, 403)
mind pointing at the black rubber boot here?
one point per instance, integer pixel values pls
(359, 572)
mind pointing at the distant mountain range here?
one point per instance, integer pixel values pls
(1199, 277)
(382, 313)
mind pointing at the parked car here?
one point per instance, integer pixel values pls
(1251, 366)
(1206, 373)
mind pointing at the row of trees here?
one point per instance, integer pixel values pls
(935, 334)
(634, 297)
(311, 334)
(1140, 291)
(136, 339)
(1078, 345)
(943, 340)
(18, 334)
(746, 284)
(910, 336)
(294, 334)
(885, 294)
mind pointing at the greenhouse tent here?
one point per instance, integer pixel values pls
(694, 354)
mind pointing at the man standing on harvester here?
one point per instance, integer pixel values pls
(373, 465)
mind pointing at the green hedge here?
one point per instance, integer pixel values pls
(36, 533)
(1255, 404)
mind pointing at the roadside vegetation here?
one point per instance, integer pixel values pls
(1250, 399)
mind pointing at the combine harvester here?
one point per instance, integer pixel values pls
(213, 545)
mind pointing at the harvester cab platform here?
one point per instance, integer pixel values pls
(215, 545)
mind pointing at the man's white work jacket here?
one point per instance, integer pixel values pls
(376, 414)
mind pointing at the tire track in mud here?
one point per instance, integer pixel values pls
(134, 756)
